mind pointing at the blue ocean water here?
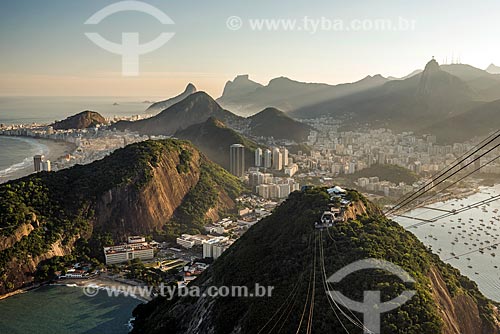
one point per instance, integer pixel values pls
(45, 109)
(17, 153)
(462, 235)
(62, 309)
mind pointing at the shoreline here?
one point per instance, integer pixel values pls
(102, 283)
(21, 291)
(98, 282)
(443, 199)
(56, 150)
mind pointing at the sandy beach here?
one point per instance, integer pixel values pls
(100, 282)
(56, 150)
(106, 283)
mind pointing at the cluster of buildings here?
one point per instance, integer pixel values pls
(89, 144)
(135, 248)
(389, 189)
(337, 152)
(270, 187)
(261, 176)
(78, 270)
(336, 214)
(41, 164)
(213, 246)
(276, 159)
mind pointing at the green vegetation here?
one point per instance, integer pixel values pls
(190, 216)
(391, 173)
(61, 206)
(304, 148)
(272, 122)
(279, 252)
(213, 138)
(184, 161)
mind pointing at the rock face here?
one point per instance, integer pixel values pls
(239, 87)
(150, 187)
(286, 252)
(162, 105)
(194, 109)
(83, 120)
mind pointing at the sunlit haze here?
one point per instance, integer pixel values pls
(45, 51)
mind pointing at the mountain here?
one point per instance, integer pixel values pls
(493, 69)
(246, 97)
(273, 122)
(286, 252)
(213, 138)
(477, 122)
(194, 109)
(406, 76)
(162, 105)
(238, 88)
(407, 104)
(160, 188)
(85, 119)
(484, 84)
(391, 173)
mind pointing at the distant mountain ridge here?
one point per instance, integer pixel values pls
(162, 105)
(194, 109)
(246, 97)
(478, 122)
(486, 85)
(407, 104)
(493, 69)
(85, 119)
(197, 108)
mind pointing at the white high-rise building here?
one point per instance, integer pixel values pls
(277, 159)
(284, 190)
(274, 191)
(263, 190)
(284, 153)
(267, 158)
(45, 166)
(237, 160)
(258, 157)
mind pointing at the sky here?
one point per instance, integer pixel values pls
(45, 52)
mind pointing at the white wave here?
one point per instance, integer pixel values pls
(35, 148)
(21, 165)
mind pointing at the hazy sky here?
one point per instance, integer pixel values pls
(44, 50)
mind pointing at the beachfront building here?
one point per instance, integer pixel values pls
(37, 161)
(137, 248)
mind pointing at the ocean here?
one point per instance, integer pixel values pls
(464, 233)
(59, 309)
(17, 153)
(62, 309)
(15, 110)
